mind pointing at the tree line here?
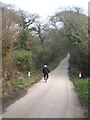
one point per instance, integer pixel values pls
(28, 43)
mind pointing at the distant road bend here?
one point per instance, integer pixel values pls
(54, 99)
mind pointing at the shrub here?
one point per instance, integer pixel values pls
(22, 59)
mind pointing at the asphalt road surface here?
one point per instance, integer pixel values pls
(54, 99)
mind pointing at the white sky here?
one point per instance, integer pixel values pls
(47, 7)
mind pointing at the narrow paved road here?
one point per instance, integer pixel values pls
(54, 99)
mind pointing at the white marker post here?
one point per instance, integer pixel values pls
(80, 75)
(29, 74)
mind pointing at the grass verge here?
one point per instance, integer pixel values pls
(14, 88)
(81, 86)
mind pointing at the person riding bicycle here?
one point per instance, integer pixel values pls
(45, 72)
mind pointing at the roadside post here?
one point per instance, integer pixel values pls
(29, 74)
(80, 75)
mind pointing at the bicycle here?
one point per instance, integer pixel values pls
(46, 77)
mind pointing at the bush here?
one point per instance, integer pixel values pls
(80, 61)
(22, 59)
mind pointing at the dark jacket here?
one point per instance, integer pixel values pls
(45, 70)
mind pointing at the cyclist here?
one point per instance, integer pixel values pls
(45, 72)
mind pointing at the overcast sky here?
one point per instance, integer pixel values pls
(47, 7)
